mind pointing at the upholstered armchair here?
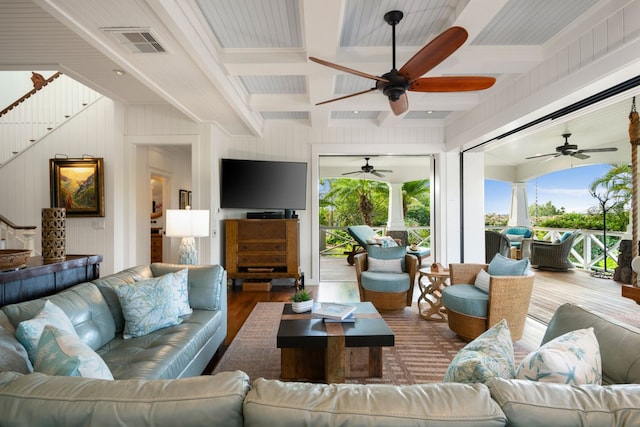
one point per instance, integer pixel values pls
(386, 276)
(495, 243)
(471, 310)
(553, 255)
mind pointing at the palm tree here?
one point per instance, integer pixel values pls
(413, 192)
(368, 198)
(617, 182)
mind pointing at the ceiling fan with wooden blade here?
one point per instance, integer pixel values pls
(396, 83)
(572, 150)
(367, 168)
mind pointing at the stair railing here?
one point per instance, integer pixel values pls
(14, 236)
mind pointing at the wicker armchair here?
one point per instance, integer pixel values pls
(387, 300)
(508, 299)
(553, 256)
(495, 243)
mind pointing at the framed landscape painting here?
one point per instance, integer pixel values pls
(78, 186)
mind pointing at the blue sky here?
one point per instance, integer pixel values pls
(568, 188)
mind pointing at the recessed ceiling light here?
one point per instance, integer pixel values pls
(356, 112)
(430, 112)
(119, 72)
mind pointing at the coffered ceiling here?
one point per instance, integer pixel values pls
(243, 64)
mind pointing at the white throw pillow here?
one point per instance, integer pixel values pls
(572, 358)
(385, 265)
(483, 280)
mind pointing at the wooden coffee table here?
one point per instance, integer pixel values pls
(315, 350)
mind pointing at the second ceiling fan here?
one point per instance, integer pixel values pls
(367, 168)
(572, 150)
(396, 83)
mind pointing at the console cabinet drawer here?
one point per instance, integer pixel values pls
(262, 246)
(261, 260)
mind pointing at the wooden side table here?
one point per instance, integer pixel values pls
(431, 294)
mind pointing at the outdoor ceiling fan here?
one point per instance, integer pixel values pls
(567, 149)
(395, 83)
(367, 168)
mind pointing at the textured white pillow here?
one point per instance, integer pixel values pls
(572, 358)
(385, 265)
(482, 280)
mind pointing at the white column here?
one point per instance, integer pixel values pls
(473, 203)
(519, 215)
(395, 220)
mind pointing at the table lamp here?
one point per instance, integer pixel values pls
(188, 224)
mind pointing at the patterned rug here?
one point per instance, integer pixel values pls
(422, 351)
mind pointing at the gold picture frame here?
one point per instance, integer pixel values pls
(78, 186)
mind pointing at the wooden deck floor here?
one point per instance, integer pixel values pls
(550, 290)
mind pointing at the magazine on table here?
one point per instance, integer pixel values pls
(333, 311)
(351, 318)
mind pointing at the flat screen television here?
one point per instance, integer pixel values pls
(260, 184)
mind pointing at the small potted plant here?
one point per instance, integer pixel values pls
(301, 301)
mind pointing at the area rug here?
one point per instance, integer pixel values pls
(422, 351)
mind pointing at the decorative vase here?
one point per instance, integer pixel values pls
(53, 234)
(302, 306)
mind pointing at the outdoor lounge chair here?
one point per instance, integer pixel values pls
(365, 235)
(553, 255)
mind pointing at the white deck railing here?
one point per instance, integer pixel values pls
(333, 241)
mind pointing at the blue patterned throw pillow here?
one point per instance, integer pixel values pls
(572, 358)
(28, 332)
(147, 306)
(488, 356)
(64, 354)
(180, 290)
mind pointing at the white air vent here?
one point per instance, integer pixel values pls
(137, 40)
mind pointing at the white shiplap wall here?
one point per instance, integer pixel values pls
(562, 74)
(25, 179)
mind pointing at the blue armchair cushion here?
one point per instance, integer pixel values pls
(466, 299)
(385, 282)
(500, 265)
(379, 252)
(516, 234)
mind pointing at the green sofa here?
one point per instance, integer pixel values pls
(227, 398)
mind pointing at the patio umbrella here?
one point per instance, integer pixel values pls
(634, 138)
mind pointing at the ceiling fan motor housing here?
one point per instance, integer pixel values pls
(396, 87)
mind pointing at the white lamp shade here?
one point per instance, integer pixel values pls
(187, 223)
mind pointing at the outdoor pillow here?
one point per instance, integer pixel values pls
(180, 290)
(28, 331)
(64, 354)
(488, 356)
(515, 237)
(500, 265)
(483, 280)
(565, 236)
(384, 241)
(147, 306)
(572, 358)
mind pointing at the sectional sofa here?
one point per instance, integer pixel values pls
(155, 384)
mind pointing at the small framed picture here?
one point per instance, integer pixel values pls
(78, 186)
